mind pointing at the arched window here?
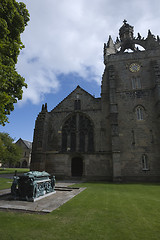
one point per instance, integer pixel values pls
(78, 134)
(140, 113)
(145, 165)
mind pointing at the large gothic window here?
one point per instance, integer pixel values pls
(78, 134)
(69, 134)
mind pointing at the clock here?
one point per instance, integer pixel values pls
(134, 67)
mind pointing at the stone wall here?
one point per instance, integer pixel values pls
(95, 166)
(134, 137)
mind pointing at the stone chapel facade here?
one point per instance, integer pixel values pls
(114, 137)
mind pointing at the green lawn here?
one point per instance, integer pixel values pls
(102, 211)
(12, 170)
(5, 183)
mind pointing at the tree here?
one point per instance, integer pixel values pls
(2, 149)
(13, 20)
(10, 153)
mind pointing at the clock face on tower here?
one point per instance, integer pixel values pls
(134, 67)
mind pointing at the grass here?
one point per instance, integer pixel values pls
(12, 170)
(5, 183)
(102, 211)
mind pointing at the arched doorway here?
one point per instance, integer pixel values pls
(24, 164)
(18, 165)
(77, 167)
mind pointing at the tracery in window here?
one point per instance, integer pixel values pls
(68, 134)
(145, 164)
(78, 134)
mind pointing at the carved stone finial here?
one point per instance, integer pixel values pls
(110, 42)
(109, 48)
(45, 106)
(117, 40)
(149, 32)
(42, 107)
(125, 21)
(139, 36)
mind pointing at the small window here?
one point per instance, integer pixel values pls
(77, 104)
(145, 166)
(140, 113)
(133, 83)
(136, 83)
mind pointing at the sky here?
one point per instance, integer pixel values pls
(64, 43)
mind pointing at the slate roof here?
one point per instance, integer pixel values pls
(26, 143)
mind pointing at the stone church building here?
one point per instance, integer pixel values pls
(115, 137)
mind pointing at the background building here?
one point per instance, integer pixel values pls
(115, 137)
(26, 147)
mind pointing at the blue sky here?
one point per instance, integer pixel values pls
(64, 48)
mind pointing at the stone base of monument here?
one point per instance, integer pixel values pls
(43, 204)
(44, 196)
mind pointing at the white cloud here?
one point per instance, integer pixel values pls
(65, 36)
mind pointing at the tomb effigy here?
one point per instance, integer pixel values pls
(32, 185)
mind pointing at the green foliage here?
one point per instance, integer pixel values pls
(2, 149)
(13, 19)
(10, 152)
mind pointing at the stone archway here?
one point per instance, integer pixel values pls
(77, 167)
(24, 164)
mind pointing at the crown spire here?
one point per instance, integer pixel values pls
(127, 40)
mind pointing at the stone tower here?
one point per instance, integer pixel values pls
(114, 137)
(131, 84)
